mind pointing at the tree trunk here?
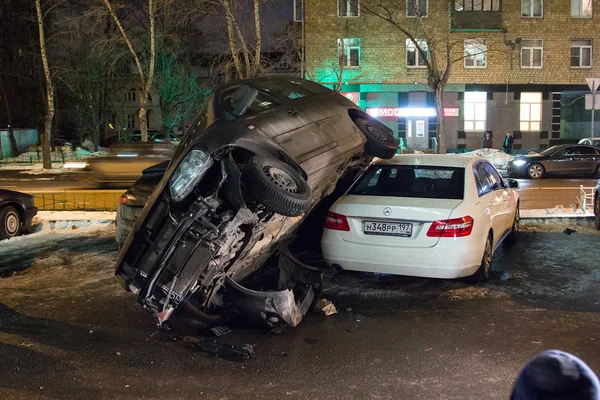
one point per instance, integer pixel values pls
(258, 38)
(49, 92)
(11, 132)
(439, 107)
(142, 117)
(232, 42)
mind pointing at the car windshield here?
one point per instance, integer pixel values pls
(418, 181)
(549, 150)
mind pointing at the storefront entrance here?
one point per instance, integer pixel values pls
(417, 133)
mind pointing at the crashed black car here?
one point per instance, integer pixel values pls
(260, 155)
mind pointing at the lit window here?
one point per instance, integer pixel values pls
(416, 8)
(532, 52)
(475, 111)
(581, 53)
(475, 53)
(477, 5)
(414, 58)
(347, 8)
(532, 8)
(130, 95)
(298, 11)
(531, 111)
(349, 52)
(581, 8)
(130, 121)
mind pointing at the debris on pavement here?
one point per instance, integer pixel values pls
(569, 231)
(221, 330)
(221, 350)
(326, 307)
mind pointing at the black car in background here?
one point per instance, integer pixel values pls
(567, 159)
(16, 212)
(261, 154)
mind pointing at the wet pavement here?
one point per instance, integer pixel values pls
(68, 330)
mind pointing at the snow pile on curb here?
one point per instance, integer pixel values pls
(497, 158)
(72, 219)
(556, 212)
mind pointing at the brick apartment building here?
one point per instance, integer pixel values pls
(524, 71)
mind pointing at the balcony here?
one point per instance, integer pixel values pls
(477, 20)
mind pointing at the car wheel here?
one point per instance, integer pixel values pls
(483, 273)
(10, 222)
(277, 186)
(514, 233)
(380, 139)
(597, 212)
(535, 171)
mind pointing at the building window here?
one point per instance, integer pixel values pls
(531, 111)
(416, 8)
(475, 111)
(532, 52)
(475, 53)
(414, 58)
(298, 10)
(130, 121)
(581, 8)
(477, 5)
(532, 8)
(349, 52)
(130, 96)
(347, 8)
(581, 53)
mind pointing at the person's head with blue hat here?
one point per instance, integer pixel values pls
(554, 375)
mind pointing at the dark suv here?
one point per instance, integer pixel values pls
(259, 156)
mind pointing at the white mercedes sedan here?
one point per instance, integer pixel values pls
(434, 216)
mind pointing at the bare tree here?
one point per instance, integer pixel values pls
(49, 91)
(435, 45)
(146, 79)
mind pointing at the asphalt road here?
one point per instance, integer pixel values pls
(544, 193)
(69, 331)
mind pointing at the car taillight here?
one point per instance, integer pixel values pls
(336, 222)
(123, 199)
(455, 227)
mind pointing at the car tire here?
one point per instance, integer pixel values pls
(380, 139)
(514, 233)
(535, 171)
(597, 212)
(483, 273)
(10, 222)
(277, 186)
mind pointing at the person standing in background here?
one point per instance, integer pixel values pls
(487, 141)
(508, 143)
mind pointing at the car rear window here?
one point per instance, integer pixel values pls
(412, 181)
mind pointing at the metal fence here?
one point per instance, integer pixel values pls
(78, 200)
(55, 157)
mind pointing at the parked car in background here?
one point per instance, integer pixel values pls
(260, 155)
(566, 159)
(434, 216)
(16, 212)
(597, 205)
(590, 141)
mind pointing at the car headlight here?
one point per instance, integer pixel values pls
(518, 163)
(188, 174)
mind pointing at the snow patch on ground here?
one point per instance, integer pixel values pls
(497, 158)
(76, 215)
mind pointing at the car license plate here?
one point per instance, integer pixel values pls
(388, 228)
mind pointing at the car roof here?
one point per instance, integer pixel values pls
(438, 160)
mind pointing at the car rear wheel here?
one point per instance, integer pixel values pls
(597, 212)
(483, 273)
(380, 139)
(535, 171)
(10, 222)
(514, 233)
(277, 186)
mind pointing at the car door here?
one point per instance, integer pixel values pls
(489, 201)
(559, 162)
(585, 161)
(501, 193)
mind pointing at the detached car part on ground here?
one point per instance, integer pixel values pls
(16, 212)
(261, 154)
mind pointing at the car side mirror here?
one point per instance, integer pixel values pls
(513, 184)
(242, 98)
